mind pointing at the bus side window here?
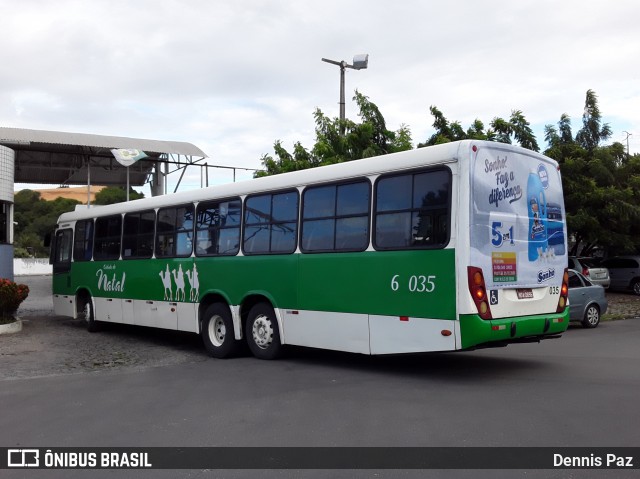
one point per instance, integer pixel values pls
(108, 238)
(271, 223)
(174, 231)
(413, 210)
(218, 228)
(137, 234)
(83, 241)
(62, 251)
(336, 217)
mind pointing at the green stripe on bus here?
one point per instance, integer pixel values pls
(403, 283)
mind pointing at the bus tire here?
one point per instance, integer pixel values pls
(217, 331)
(262, 333)
(89, 316)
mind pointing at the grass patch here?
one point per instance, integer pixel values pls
(613, 317)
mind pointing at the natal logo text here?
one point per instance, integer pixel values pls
(113, 283)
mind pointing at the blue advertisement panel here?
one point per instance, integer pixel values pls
(518, 232)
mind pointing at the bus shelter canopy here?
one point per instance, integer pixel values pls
(53, 157)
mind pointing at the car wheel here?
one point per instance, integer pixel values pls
(636, 287)
(591, 317)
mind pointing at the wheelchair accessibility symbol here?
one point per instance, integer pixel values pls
(493, 297)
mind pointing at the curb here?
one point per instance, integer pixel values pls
(11, 328)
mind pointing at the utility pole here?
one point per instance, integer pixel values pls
(360, 62)
(628, 135)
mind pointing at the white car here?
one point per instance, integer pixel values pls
(587, 266)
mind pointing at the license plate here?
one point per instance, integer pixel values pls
(524, 293)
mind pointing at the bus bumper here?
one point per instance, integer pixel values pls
(476, 332)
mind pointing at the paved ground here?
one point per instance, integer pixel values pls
(54, 345)
(623, 304)
(130, 386)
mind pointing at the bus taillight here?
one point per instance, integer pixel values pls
(564, 292)
(478, 291)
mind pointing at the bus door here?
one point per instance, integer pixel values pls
(63, 297)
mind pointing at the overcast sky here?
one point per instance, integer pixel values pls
(234, 76)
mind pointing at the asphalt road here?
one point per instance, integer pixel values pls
(580, 390)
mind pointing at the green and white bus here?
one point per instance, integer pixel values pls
(436, 249)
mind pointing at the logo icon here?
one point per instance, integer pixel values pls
(23, 458)
(544, 176)
(493, 297)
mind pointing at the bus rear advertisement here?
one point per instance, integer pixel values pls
(451, 247)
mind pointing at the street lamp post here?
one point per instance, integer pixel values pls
(628, 135)
(360, 62)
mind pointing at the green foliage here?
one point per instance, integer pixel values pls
(35, 219)
(591, 133)
(115, 194)
(11, 296)
(601, 185)
(368, 138)
(516, 128)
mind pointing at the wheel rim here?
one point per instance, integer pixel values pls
(217, 331)
(592, 316)
(262, 332)
(87, 312)
(636, 287)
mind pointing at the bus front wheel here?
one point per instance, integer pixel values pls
(262, 332)
(89, 315)
(217, 331)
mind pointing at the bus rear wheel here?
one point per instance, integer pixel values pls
(217, 331)
(263, 335)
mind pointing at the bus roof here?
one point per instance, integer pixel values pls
(433, 155)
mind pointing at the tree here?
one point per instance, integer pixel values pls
(601, 185)
(516, 128)
(368, 138)
(115, 194)
(35, 218)
(592, 133)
